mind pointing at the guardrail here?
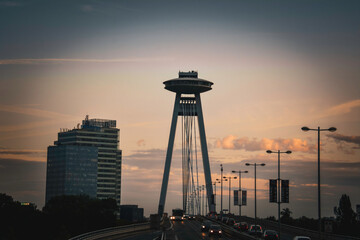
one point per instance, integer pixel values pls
(314, 235)
(108, 232)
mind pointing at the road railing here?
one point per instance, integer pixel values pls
(113, 231)
(314, 235)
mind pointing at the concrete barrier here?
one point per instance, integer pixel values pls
(107, 232)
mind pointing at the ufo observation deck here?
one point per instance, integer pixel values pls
(188, 83)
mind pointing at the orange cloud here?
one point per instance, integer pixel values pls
(141, 143)
(342, 108)
(294, 144)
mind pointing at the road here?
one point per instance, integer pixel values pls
(179, 230)
(189, 230)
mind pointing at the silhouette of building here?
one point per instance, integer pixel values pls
(131, 213)
(83, 154)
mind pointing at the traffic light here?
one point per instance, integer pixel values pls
(273, 190)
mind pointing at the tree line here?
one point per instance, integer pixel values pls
(345, 222)
(61, 218)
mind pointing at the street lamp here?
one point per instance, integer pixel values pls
(229, 178)
(278, 180)
(255, 164)
(217, 181)
(332, 129)
(239, 187)
(203, 190)
(221, 179)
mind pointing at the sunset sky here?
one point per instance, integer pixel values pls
(276, 66)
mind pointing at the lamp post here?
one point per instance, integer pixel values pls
(217, 181)
(332, 129)
(199, 197)
(255, 164)
(203, 190)
(278, 183)
(229, 178)
(240, 187)
(221, 179)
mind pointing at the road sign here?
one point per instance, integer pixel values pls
(273, 190)
(243, 197)
(285, 191)
(236, 197)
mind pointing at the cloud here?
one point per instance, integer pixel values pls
(23, 154)
(27, 61)
(11, 4)
(141, 143)
(294, 144)
(106, 8)
(346, 143)
(87, 8)
(342, 108)
(32, 111)
(20, 151)
(30, 125)
(343, 138)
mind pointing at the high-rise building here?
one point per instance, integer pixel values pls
(104, 136)
(71, 170)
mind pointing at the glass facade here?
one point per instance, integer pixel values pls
(71, 170)
(103, 135)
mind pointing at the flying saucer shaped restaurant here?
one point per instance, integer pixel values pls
(188, 83)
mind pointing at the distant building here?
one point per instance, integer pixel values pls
(84, 155)
(131, 213)
(71, 170)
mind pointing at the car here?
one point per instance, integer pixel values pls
(205, 225)
(244, 226)
(270, 235)
(301, 238)
(255, 230)
(191, 217)
(224, 219)
(185, 216)
(215, 230)
(230, 222)
(241, 226)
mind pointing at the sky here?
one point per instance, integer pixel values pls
(276, 66)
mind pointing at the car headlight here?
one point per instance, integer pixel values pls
(220, 231)
(211, 231)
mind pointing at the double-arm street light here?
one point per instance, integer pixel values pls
(239, 187)
(332, 129)
(278, 183)
(229, 178)
(255, 164)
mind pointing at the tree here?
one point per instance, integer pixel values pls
(286, 215)
(19, 221)
(345, 215)
(72, 215)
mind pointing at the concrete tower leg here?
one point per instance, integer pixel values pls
(205, 156)
(169, 155)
